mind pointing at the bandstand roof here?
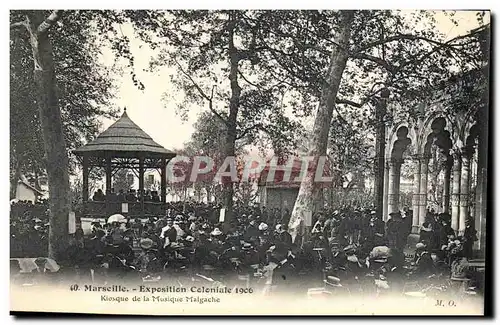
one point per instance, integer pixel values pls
(124, 139)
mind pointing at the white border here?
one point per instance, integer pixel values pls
(191, 4)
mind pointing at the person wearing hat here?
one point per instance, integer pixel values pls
(179, 226)
(427, 232)
(328, 226)
(345, 229)
(216, 238)
(283, 271)
(116, 233)
(282, 236)
(443, 231)
(470, 236)
(407, 218)
(374, 232)
(168, 233)
(424, 265)
(154, 266)
(263, 227)
(395, 233)
(251, 230)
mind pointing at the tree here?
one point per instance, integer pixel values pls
(56, 96)
(309, 191)
(343, 59)
(84, 89)
(37, 24)
(217, 57)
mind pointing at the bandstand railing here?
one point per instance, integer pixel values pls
(103, 209)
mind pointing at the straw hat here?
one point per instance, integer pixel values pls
(263, 226)
(146, 243)
(279, 228)
(216, 232)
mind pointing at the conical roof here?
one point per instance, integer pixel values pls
(124, 136)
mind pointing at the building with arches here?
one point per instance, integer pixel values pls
(446, 150)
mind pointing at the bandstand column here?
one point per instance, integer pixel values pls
(141, 184)
(393, 191)
(464, 193)
(416, 194)
(424, 168)
(455, 196)
(163, 182)
(85, 194)
(109, 208)
(108, 176)
(386, 192)
(446, 186)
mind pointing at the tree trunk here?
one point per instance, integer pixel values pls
(209, 193)
(234, 103)
(309, 190)
(53, 136)
(15, 180)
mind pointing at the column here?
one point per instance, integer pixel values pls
(464, 193)
(108, 176)
(386, 192)
(397, 182)
(446, 186)
(393, 191)
(416, 194)
(85, 194)
(141, 184)
(163, 182)
(109, 207)
(455, 194)
(481, 194)
(478, 199)
(424, 167)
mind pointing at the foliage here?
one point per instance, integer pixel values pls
(122, 180)
(199, 45)
(84, 86)
(386, 50)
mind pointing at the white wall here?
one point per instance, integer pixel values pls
(25, 193)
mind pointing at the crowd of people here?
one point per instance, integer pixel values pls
(345, 243)
(131, 196)
(29, 226)
(342, 244)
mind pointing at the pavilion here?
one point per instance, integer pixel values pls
(123, 145)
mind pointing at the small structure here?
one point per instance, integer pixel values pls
(27, 192)
(124, 145)
(281, 189)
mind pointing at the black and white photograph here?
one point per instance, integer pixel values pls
(250, 162)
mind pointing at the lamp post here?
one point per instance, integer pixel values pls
(379, 163)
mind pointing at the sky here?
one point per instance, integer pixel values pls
(158, 117)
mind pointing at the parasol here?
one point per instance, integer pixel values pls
(117, 218)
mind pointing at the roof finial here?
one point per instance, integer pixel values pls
(124, 111)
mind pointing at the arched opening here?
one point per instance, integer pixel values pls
(399, 155)
(435, 171)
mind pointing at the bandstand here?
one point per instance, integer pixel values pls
(124, 145)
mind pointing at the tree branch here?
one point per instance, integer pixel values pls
(381, 62)
(51, 20)
(202, 93)
(20, 24)
(348, 102)
(415, 37)
(245, 132)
